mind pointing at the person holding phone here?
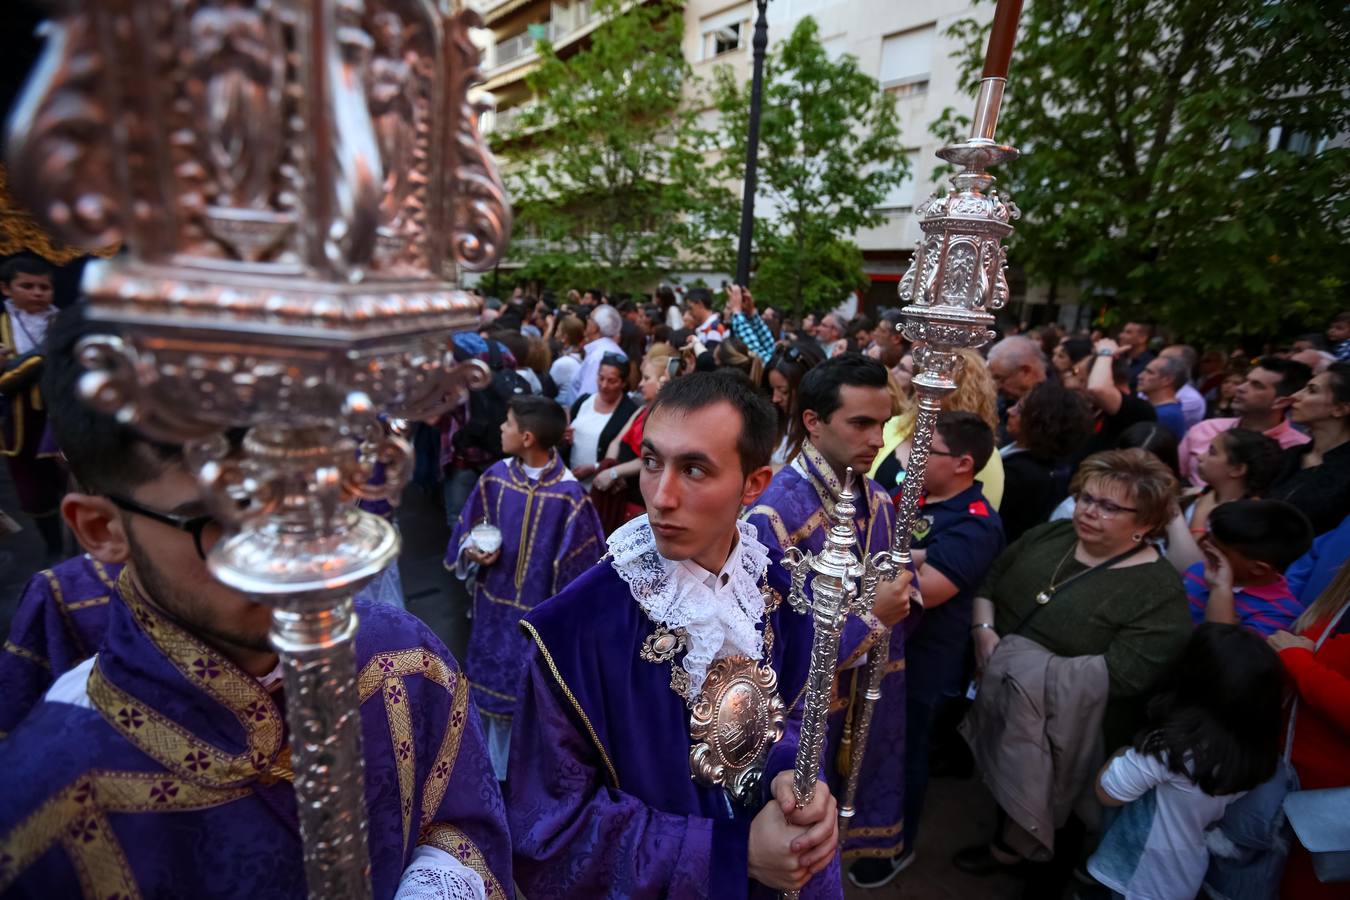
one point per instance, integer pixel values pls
(747, 324)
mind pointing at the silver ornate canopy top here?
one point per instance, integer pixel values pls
(295, 183)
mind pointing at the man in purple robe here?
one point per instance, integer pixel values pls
(161, 766)
(674, 657)
(547, 533)
(59, 622)
(842, 406)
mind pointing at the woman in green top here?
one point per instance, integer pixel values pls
(1131, 609)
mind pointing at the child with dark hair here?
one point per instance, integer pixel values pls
(1239, 464)
(527, 530)
(26, 284)
(1213, 735)
(1241, 580)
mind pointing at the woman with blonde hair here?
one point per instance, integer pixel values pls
(975, 393)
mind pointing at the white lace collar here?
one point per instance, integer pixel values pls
(718, 622)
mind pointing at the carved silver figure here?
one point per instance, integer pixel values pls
(958, 274)
(840, 585)
(295, 196)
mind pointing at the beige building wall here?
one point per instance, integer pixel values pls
(901, 44)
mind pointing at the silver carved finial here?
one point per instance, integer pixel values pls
(296, 196)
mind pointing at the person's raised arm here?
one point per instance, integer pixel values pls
(1101, 383)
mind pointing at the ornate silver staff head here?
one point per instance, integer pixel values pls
(295, 184)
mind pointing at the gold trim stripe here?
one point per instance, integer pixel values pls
(455, 842)
(25, 653)
(433, 791)
(557, 676)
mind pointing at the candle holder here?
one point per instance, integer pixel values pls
(841, 584)
(296, 184)
(958, 274)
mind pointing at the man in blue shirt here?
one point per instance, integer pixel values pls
(957, 536)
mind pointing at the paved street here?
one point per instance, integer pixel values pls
(961, 812)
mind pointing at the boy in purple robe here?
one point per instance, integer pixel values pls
(548, 533)
(676, 656)
(841, 409)
(59, 622)
(161, 767)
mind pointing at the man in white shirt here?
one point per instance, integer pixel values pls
(602, 332)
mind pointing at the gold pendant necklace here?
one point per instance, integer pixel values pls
(1044, 596)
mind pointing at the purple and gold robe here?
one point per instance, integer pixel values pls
(600, 798)
(61, 619)
(170, 775)
(59, 623)
(795, 511)
(550, 535)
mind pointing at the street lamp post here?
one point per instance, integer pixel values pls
(760, 43)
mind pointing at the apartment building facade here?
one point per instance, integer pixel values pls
(903, 45)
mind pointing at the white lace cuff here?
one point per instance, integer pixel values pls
(434, 874)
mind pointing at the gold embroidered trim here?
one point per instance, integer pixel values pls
(101, 571)
(75, 818)
(457, 844)
(433, 792)
(491, 693)
(25, 653)
(170, 744)
(571, 698)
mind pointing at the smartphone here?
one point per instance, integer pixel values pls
(673, 367)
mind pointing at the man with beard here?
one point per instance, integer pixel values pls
(675, 656)
(179, 713)
(841, 409)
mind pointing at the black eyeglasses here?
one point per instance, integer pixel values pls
(193, 525)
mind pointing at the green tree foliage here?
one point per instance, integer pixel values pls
(1184, 157)
(829, 152)
(606, 169)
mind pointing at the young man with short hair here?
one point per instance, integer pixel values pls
(956, 538)
(160, 766)
(840, 412)
(708, 326)
(1261, 403)
(636, 769)
(548, 533)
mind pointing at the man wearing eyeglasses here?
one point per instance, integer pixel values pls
(161, 765)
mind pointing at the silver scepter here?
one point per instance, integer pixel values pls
(835, 593)
(296, 183)
(958, 274)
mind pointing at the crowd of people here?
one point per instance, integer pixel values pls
(1126, 609)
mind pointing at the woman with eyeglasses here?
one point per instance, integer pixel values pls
(1094, 586)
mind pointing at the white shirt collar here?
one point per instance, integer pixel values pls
(719, 619)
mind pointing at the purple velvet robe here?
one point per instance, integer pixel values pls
(61, 619)
(59, 622)
(550, 535)
(600, 798)
(792, 512)
(178, 782)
